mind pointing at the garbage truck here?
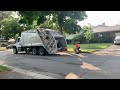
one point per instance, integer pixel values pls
(40, 42)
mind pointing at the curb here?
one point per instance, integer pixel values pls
(35, 75)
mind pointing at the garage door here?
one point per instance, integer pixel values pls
(117, 34)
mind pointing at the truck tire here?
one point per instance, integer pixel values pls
(15, 50)
(26, 50)
(41, 51)
(34, 51)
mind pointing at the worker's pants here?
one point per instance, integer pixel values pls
(76, 50)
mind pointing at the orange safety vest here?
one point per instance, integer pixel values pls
(77, 45)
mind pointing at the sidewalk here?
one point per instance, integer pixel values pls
(14, 75)
(108, 52)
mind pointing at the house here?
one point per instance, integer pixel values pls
(112, 31)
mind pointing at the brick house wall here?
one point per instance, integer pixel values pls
(112, 35)
(112, 31)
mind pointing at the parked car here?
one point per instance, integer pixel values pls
(9, 46)
(117, 40)
(11, 41)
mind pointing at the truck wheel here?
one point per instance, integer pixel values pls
(34, 51)
(41, 51)
(15, 50)
(46, 53)
(26, 50)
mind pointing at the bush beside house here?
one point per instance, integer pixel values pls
(97, 39)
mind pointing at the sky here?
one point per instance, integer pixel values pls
(110, 18)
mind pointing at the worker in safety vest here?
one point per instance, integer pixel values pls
(77, 48)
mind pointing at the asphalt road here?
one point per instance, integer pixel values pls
(85, 66)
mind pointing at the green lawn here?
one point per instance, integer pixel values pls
(86, 48)
(3, 68)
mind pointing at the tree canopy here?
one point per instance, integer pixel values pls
(89, 35)
(65, 21)
(3, 16)
(9, 26)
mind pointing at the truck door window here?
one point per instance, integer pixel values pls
(18, 40)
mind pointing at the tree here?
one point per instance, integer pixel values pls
(66, 21)
(79, 38)
(88, 32)
(4, 15)
(51, 24)
(11, 27)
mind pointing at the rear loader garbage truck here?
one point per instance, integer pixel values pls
(40, 41)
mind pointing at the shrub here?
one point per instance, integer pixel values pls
(104, 39)
(79, 38)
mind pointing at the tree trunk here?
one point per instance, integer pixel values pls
(60, 22)
(61, 30)
(89, 43)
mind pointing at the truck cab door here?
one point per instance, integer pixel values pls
(18, 44)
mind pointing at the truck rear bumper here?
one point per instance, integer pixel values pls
(62, 49)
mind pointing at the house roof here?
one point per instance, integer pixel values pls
(106, 29)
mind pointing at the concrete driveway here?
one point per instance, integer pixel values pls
(112, 50)
(64, 65)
